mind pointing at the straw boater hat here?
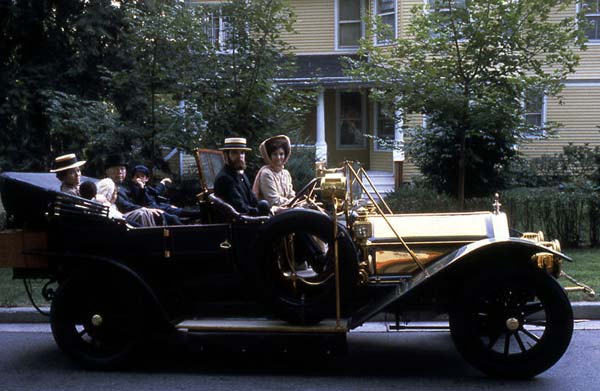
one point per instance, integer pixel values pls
(66, 162)
(235, 143)
(267, 146)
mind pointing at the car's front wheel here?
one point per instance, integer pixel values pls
(512, 325)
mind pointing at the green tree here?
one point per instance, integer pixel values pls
(164, 50)
(47, 46)
(238, 94)
(466, 65)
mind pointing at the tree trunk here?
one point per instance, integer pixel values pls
(461, 170)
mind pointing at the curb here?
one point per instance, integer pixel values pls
(581, 310)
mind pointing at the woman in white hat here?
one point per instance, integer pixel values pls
(68, 172)
(273, 182)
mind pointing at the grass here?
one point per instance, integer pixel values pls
(585, 268)
(13, 293)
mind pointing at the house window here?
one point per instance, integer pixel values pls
(218, 29)
(350, 120)
(217, 26)
(445, 5)
(386, 11)
(349, 27)
(591, 8)
(385, 125)
(534, 107)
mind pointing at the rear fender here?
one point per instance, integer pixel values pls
(95, 267)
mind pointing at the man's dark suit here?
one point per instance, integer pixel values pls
(127, 201)
(235, 189)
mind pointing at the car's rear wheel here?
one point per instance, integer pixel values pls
(512, 325)
(96, 322)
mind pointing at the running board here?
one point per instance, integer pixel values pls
(260, 325)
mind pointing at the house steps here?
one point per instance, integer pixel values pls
(382, 180)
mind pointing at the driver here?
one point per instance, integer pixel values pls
(232, 185)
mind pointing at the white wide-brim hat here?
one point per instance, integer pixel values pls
(66, 162)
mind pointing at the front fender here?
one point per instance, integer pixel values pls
(442, 278)
(514, 248)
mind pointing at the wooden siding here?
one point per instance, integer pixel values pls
(589, 65)
(579, 118)
(381, 161)
(315, 24)
(315, 27)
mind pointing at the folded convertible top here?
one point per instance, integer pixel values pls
(29, 198)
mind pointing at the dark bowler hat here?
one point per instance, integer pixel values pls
(66, 162)
(235, 143)
(141, 168)
(115, 160)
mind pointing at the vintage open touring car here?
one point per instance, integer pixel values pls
(327, 265)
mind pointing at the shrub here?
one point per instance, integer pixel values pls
(577, 164)
(301, 165)
(568, 213)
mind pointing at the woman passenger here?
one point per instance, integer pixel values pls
(273, 182)
(68, 172)
(107, 195)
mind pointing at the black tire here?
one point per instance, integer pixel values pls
(96, 321)
(512, 325)
(296, 268)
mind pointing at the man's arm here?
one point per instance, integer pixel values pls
(124, 202)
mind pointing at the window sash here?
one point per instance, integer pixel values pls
(592, 14)
(385, 128)
(349, 24)
(386, 11)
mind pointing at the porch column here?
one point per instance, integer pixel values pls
(398, 152)
(321, 145)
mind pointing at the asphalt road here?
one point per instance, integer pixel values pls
(29, 360)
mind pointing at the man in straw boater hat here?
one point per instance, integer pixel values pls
(68, 172)
(232, 185)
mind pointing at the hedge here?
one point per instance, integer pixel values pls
(571, 215)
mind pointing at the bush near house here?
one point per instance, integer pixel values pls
(568, 213)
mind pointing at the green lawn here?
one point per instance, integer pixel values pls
(585, 269)
(13, 293)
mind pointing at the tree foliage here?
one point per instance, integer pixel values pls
(49, 46)
(96, 77)
(466, 66)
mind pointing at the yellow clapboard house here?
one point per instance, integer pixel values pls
(328, 30)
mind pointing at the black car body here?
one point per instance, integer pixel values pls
(325, 266)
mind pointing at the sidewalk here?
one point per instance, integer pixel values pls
(581, 310)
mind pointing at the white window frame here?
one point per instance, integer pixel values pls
(338, 47)
(338, 121)
(543, 116)
(395, 13)
(427, 5)
(216, 7)
(591, 41)
(376, 146)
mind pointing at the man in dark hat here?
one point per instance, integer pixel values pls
(68, 172)
(232, 185)
(115, 167)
